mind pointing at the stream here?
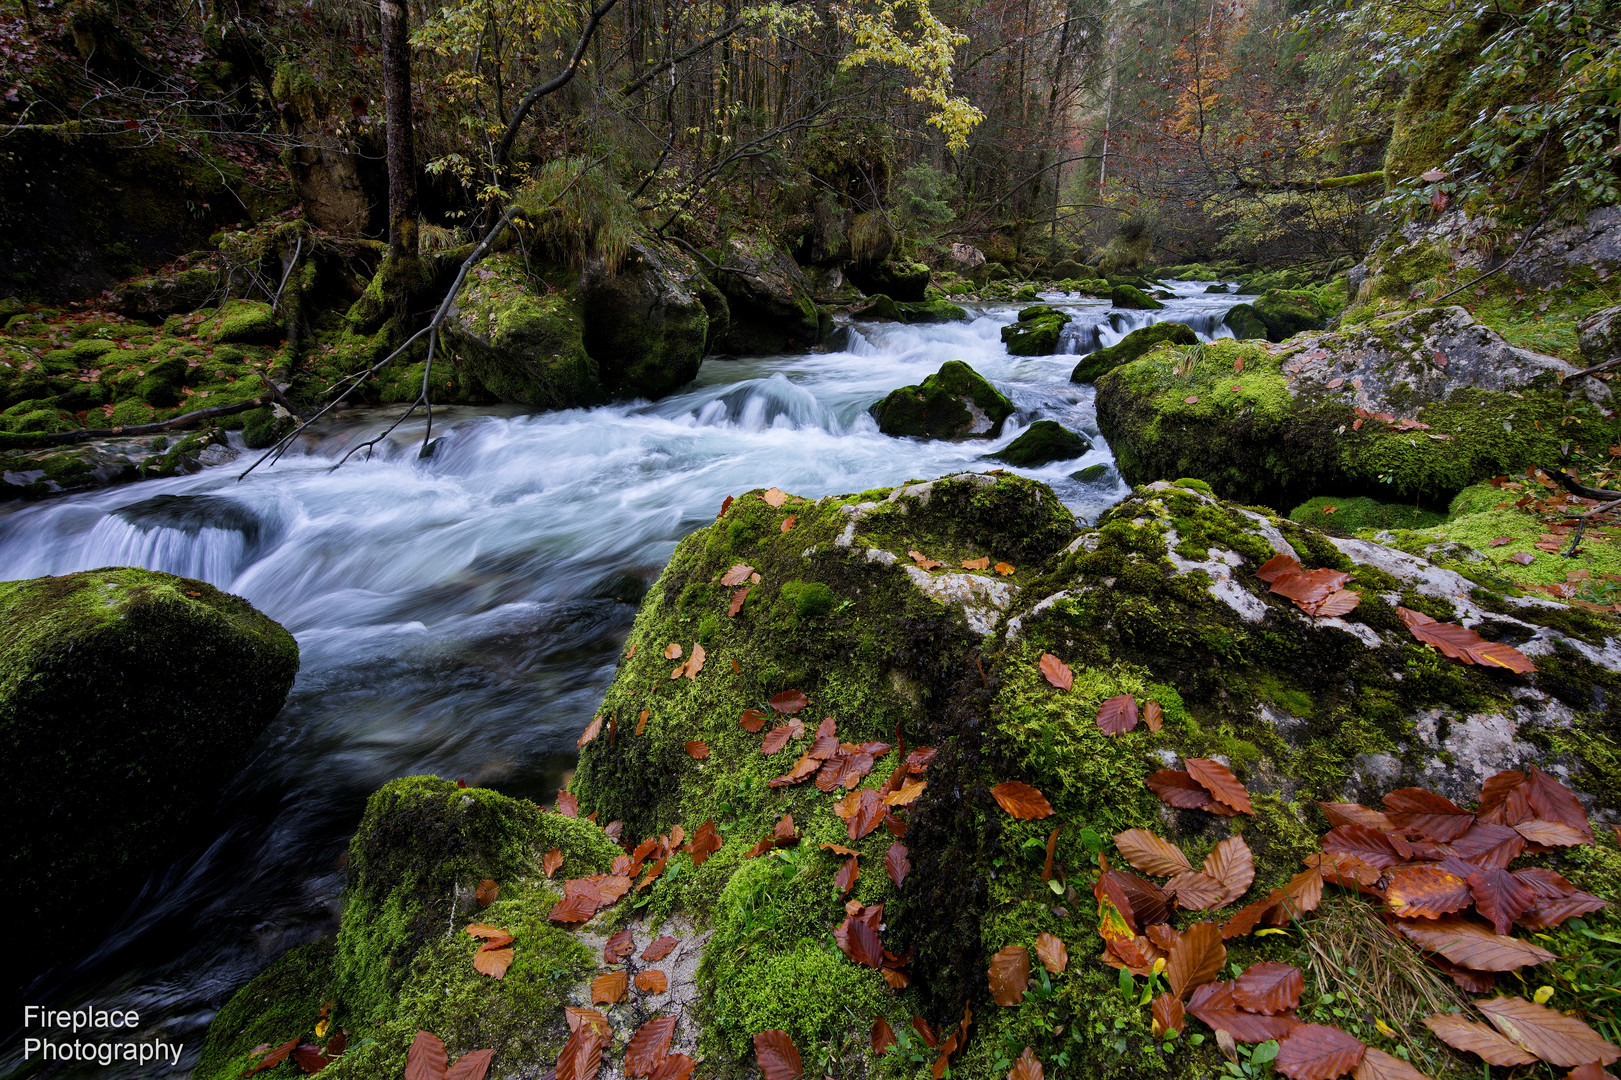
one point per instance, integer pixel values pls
(462, 615)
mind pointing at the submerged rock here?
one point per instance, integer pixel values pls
(1364, 410)
(128, 700)
(955, 402)
(1037, 331)
(1130, 348)
(1159, 601)
(1042, 442)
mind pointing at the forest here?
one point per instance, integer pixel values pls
(850, 539)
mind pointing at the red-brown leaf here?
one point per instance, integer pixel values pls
(705, 842)
(1427, 892)
(618, 947)
(493, 962)
(426, 1060)
(1318, 1052)
(592, 730)
(1196, 958)
(649, 1045)
(896, 864)
(1233, 865)
(697, 750)
(1500, 897)
(737, 575)
(1056, 671)
(858, 939)
(1277, 566)
(1009, 974)
(1026, 1067)
(582, 1053)
(1052, 851)
(652, 981)
(473, 1065)
(1489, 845)
(609, 987)
(1219, 780)
(487, 893)
(567, 804)
(751, 721)
(1354, 814)
(1052, 953)
(1269, 988)
(1471, 944)
(1427, 814)
(789, 702)
(1168, 1016)
(883, 1036)
(845, 879)
(674, 1067)
(550, 861)
(1117, 715)
(1477, 1039)
(1369, 845)
(1552, 801)
(1154, 715)
(1181, 790)
(660, 948)
(1021, 800)
(1549, 1034)
(1378, 1065)
(777, 1055)
(737, 602)
(1214, 1005)
(1461, 643)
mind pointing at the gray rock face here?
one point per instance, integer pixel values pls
(1601, 336)
(771, 305)
(645, 325)
(1418, 360)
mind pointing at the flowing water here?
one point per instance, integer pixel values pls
(461, 615)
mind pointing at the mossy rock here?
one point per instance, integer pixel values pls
(521, 344)
(923, 311)
(1358, 513)
(645, 324)
(246, 321)
(955, 402)
(128, 698)
(1159, 600)
(1130, 348)
(1037, 331)
(1286, 425)
(1131, 297)
(1043, 442)
(1286, 313)
(906, 282)
(1245, 324)
(401, 961)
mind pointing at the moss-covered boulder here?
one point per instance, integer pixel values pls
(159, 295)
(242, 322)
(645, 322)
(906, 282)
(128, 699)
(922, 311)
(1130, 296)
(401, 962)
(955, 402)
(1042, 442)
(1285, 313)
(1244, 322)
(1130, 348)
(771, 305)
(1037, 331)
(1411, 408)
(1357, 514)
(521, 342)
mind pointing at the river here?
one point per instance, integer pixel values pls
(461, 615)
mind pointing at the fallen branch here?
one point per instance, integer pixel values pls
(30, 441)
(1606, 366)
(1575, 487)
(1529, 233)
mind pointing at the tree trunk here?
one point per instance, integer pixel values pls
(402, 188)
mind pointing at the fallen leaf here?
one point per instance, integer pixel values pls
(1026, 1067)
(1427, 814)
(1318, 1052)
(1427, 892)
(737, 575)
(883, 1036)
(789, 702)
(567, 804)
(896, 863)
(1056, 672)
(1477, 1039)
(425, 1060)
(1117, 715)
(1190, 400)
(1151, 854)
(591, 731)
(1549, 1034)
(487, 893)
(845, 879)
(788, 522)
(1378, 1065)
(1154, 715)
(1461, 643)
(1219, 780)
(1021, 800)
(1052, 953)
(697, 751)
(1269, 988)
(672, 651)
(652, 981)
(1213, 1004)
(1179, 789)
(674, 1067)
(924, 561)
(1232, 864)
(1009, 974)
(774, 498)
(1004, 568)
(981, 563)
(1472, 945)
(616, 948)
(705, 842)
(1196, 959)
(609, 987)
(649, 1045)
(751, 721)
(737, 605)
(551, 861)
(473, 1065)
(493, 962)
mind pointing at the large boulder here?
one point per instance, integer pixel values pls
(903, 281)
(1130, 348)
(771, 306)
(1413, 407)
(1286, 312)
(1160, 601)
(922, 311)
(955, 402)
(521, 343)
(1037, 331)
(1244, 322)
(1130, 296)
(128, 699)
(645, 323)
(1601, 336)
(1041, 443)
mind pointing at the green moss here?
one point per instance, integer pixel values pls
(1344, 516)
(242, 321)
(282, 1002)
(1131, 297)
(1042, 442)
(954, 402)
(1037, 331)
(807, 599)
(1130, 348)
